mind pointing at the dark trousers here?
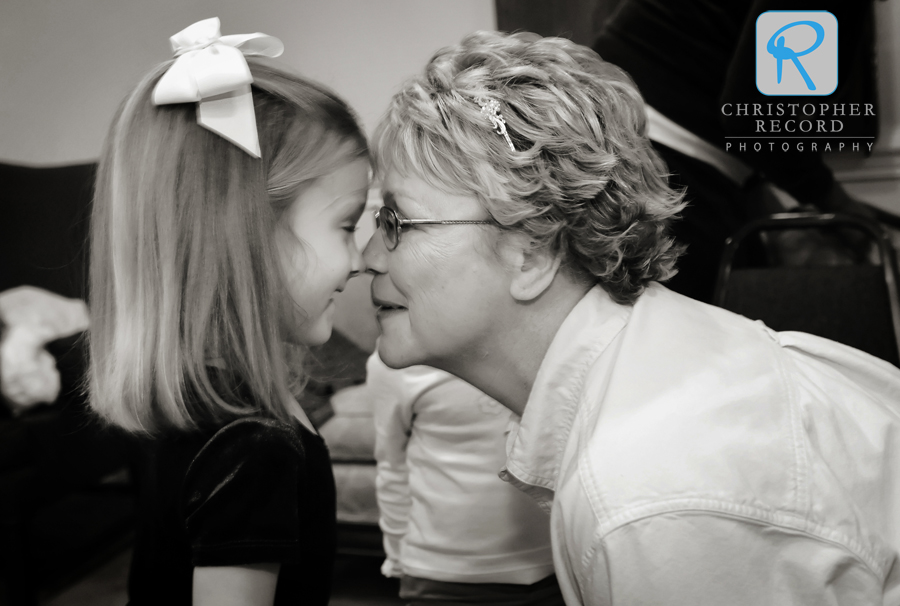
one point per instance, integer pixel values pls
(426, 592)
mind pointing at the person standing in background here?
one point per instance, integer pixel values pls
(689, 58)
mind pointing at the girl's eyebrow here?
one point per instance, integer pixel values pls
(351, 196)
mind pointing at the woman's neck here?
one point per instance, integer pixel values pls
(506, 365)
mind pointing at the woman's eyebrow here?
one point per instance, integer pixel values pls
(389, 200)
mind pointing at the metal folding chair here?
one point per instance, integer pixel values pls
(857, 305)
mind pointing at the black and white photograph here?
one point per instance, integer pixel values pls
(449, 302)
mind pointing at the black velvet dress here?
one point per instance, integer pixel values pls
(254, 491)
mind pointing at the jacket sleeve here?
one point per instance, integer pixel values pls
(393, 412)
(708, 559)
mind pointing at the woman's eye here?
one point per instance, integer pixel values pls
(350, 228)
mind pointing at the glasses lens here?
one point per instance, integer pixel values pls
(390, 227)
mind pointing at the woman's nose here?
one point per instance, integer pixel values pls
(357, 262)
(375, 254)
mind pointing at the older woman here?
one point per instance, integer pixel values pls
(686, 454)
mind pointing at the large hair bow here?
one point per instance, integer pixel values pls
(210, 69)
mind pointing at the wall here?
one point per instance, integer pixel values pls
(66, 64)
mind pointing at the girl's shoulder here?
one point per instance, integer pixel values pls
(245, 446)
(244, 461)
(246, 495)
(252, 437)
(259, 426)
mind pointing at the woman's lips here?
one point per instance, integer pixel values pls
(387, 311)
(384, 305)
(382, 310)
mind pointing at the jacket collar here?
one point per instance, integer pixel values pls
(536, 443)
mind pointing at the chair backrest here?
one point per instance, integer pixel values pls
(856, 305)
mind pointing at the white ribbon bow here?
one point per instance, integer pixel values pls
(210, 69)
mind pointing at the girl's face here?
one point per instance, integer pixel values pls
(319, 253)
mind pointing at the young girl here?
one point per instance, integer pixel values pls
(217, 249)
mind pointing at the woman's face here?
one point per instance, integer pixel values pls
(439, 291)
(318, 250)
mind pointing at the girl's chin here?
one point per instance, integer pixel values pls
(319, 330)
(318, 335)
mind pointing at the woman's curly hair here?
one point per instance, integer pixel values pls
(583, 180)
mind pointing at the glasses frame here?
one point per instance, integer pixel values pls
(401, 222)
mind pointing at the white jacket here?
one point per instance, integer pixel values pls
(691, 456)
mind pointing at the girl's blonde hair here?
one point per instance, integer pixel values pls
(184, 266)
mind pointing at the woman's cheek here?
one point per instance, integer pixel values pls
(426, 259)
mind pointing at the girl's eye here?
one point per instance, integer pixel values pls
(350, 229)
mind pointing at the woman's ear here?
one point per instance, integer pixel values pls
(533, 268)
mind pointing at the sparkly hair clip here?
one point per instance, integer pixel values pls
(490, 108)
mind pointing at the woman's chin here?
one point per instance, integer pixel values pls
(395, 354)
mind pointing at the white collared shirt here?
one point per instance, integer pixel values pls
(691, 456)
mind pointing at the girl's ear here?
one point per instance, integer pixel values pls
(533, 268)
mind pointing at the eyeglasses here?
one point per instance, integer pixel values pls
(391, 225)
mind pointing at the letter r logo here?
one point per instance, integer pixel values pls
(796, 53)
